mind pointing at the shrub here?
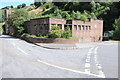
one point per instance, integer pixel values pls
(25, 35)
(55, 32)
(117, 29)
(29, 9)
(67, 33)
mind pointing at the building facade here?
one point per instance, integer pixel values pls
(86, 31)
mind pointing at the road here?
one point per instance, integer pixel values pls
(20, 59)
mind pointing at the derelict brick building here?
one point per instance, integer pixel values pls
(86, 31)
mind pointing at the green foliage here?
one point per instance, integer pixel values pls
(1, 15)
(21, 6)
(38, 4)
(48, 5)
(29, 9)
(117, 29)
(55, 32)
(98, 9)
(25, 35)
(67, 33)
(18, 24)
(1, 27)
(35, 36)
(108, 11)
(41, 36)
(17, 19)
(66, 15)
(80, 16)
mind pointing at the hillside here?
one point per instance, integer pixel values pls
(107, 11)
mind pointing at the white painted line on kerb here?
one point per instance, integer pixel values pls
(72, 70)
(22, 51)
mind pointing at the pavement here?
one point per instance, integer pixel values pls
(71, 46)
(66, 46)
(21, 59)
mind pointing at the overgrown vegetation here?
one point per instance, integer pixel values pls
(1, 16)
(108, 11)
(17, 19)
(1, 28)
(117, 29)
(56, 32)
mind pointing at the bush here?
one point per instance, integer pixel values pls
(41, 36)
(56, 32)
(67, 33)
(117, 29)
(25, 35)
(29, 9)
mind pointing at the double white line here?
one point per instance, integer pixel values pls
(87, 62)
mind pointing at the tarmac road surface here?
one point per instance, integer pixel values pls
(20, 59)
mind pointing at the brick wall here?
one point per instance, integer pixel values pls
(86, 31)
(51, 40)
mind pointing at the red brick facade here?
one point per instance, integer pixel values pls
(86, 31)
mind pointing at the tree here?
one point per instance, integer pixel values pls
(23, 5)
(66, 15)
(37, 4)
(73, 15)
(11, 6)
(97, 9)
(17, 19)
(19, 6)
(117, 29)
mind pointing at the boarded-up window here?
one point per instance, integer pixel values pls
(75, 27)
(79, 27)
(89, 27)
(83, 27)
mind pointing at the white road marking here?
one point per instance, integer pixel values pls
(101, 73)
(88, 57)
(87, 65)
(87, 71)
(22, 51)
(95, 51)
(72, 70)
(90, 50)
(87, 60)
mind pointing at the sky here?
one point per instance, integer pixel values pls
(14, 2)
